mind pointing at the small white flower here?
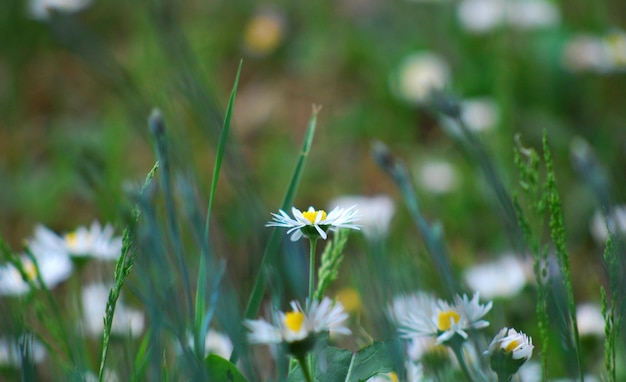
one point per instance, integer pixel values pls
(95, 241)
(616, 222)
(504, 277)
(443, 320)
(214, 343)
(297, 325)
(419, 75)
(41, 9)
(125, 321)
(532, 14)
(480, 114)
(314, 222)
(375, 213)
(509, 341)
(12, 350)
(53, 270)
(480, 16)
(439, 177)
(590, 320)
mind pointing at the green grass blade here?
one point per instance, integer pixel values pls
(254, 303)
(202, 274)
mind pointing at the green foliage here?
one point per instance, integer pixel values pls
(220, 370)
(334, 364)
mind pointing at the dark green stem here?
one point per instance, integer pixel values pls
(305, 368)
(456, 348)
(313, 242)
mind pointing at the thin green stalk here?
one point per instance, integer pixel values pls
(311, 271)
(256, 296)
(305, 369)
(202, 273)
(456, 348)
(123, 267)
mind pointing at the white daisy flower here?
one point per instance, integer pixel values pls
(125, 321)
(615, 222)
(517, 344)
(444, 320)
(94, 241)
(438, 176)
(297, 326)
(53, 270)
(532, 14)
(314, 223)
(41, 9)
(375, 213)
(505, 277)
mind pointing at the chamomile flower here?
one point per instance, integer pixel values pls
(314, 223)
(95, 241)
(125, 321)
(375, 213)
(298, 328)
(444, 320)
(503, 278)
(52, 268)
(508, 351)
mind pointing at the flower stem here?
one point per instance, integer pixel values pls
(311, 271)
(456, 348)
(503, 377)
(305, 368)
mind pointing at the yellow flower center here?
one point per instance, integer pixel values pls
(294, 321)
(446, 319)
(30, 270)
(511, 346)
(71, 239)
(311, 215)
(394, 377)
(263, 34)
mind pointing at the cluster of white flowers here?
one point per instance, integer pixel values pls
(597, 54)
(483, 16)
(53, 256)
(502, 278)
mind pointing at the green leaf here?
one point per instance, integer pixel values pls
(220, 370)
(334, 364)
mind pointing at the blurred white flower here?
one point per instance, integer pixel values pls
(215, 343)
(590, 320)
(480, 114)
(505, 277)
(442, 319)
(314, 223)
(125, 321)
(94, 241)
(532, 14)
(616, 220)
(375, 212)
(480, 16)
(384, 377)
(419, 75)
(437, 176)
(109, 376)
(41, 9)
(602, 54)
(53, 269)
(530, 372)
(13, 349)
(298, 325)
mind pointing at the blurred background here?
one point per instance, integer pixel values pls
(78, 79)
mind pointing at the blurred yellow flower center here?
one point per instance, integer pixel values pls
(446, 319)
(71, 239)
(30, 270)
(350, 299)
(311, 215)
(511, 346)
(294, 321)
(263, 33)
(394, 377)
